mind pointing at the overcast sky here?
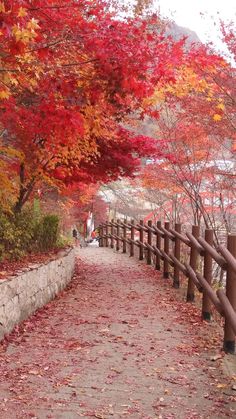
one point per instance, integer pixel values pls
(188, 13)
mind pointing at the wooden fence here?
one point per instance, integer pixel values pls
(165, 248)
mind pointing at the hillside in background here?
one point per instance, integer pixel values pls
(178, 32)
(148, 125)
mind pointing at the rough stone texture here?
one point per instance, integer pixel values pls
(22, 295)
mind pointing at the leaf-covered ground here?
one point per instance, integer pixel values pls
(11, 268)
(115, 344)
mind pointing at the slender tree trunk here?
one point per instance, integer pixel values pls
(25, 190)
(18, 205)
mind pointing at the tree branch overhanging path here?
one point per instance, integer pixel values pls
(115, 344)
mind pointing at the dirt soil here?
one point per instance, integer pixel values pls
(118, 343)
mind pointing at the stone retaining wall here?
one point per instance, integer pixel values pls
(33, 287)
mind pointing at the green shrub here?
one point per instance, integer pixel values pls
(16, 234)
(63, 241)
(47, 232)
(25, 232)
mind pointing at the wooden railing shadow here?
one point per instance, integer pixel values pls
(165, 248)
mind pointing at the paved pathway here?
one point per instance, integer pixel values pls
(116, 344)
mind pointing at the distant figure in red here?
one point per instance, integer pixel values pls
(93, 235)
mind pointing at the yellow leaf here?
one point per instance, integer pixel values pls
(33, 24)
(217, 117)
(33, 82)
(26, 35)
(17, 32)
(2, 7)
(13, 81)
(221, 385)
(4, 94)
(221, 106)
(22, 12)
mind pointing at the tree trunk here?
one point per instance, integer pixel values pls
(25, 191)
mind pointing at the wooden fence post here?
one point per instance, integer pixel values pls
(177, 255)
(207, 273)
(124, 236)
(193, 264)
(229, 335)
(99, 235)
(107, 234)
(118, 235)
(158, 245)
(149, 240)
(141, 240)
(112, 233)
(132, 238)
(166, 250)
(102, 233)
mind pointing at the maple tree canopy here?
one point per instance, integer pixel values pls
(70, 74)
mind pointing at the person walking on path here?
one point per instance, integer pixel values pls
(75, 236)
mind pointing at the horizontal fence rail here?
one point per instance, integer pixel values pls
(179, 255)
